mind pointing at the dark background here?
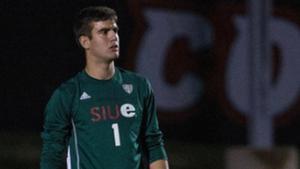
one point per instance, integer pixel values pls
(38, 52)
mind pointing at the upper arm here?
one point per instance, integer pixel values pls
(56, 130)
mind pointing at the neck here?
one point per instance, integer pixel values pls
(100, 71)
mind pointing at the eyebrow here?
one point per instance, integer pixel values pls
(108, 28)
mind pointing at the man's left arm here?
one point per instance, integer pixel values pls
(157, 155)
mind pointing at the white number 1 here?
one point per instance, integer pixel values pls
(115, 128)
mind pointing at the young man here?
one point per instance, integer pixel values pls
(104, 117)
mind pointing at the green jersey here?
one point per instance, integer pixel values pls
(104, 124)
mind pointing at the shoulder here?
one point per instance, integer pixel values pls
(132, 77)
(63, 96)
(68, 87)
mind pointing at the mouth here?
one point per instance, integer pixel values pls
(114, 47)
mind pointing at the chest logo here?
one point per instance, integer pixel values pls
(128, 88)
(103, 113)
(127, 110)
(85, 96)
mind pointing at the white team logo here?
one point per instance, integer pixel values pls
(128, 88)
(85, 96)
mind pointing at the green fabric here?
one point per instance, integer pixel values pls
(108, 124)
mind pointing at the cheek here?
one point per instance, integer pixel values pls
(98, 44)
(102, 43)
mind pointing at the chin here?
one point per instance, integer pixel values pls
(116, 56)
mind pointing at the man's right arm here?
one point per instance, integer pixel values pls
(56, 131)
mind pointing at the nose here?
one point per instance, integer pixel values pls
(113, 35)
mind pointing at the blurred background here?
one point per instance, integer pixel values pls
(198, 55)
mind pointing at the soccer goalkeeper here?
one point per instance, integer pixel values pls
(104, 117)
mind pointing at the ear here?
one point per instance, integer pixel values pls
(84, 41)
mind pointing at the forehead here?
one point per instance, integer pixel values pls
(96, 25)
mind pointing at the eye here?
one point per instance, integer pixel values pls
(116, 29)
(105, 31)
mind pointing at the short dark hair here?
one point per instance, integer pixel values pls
(86, 16)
